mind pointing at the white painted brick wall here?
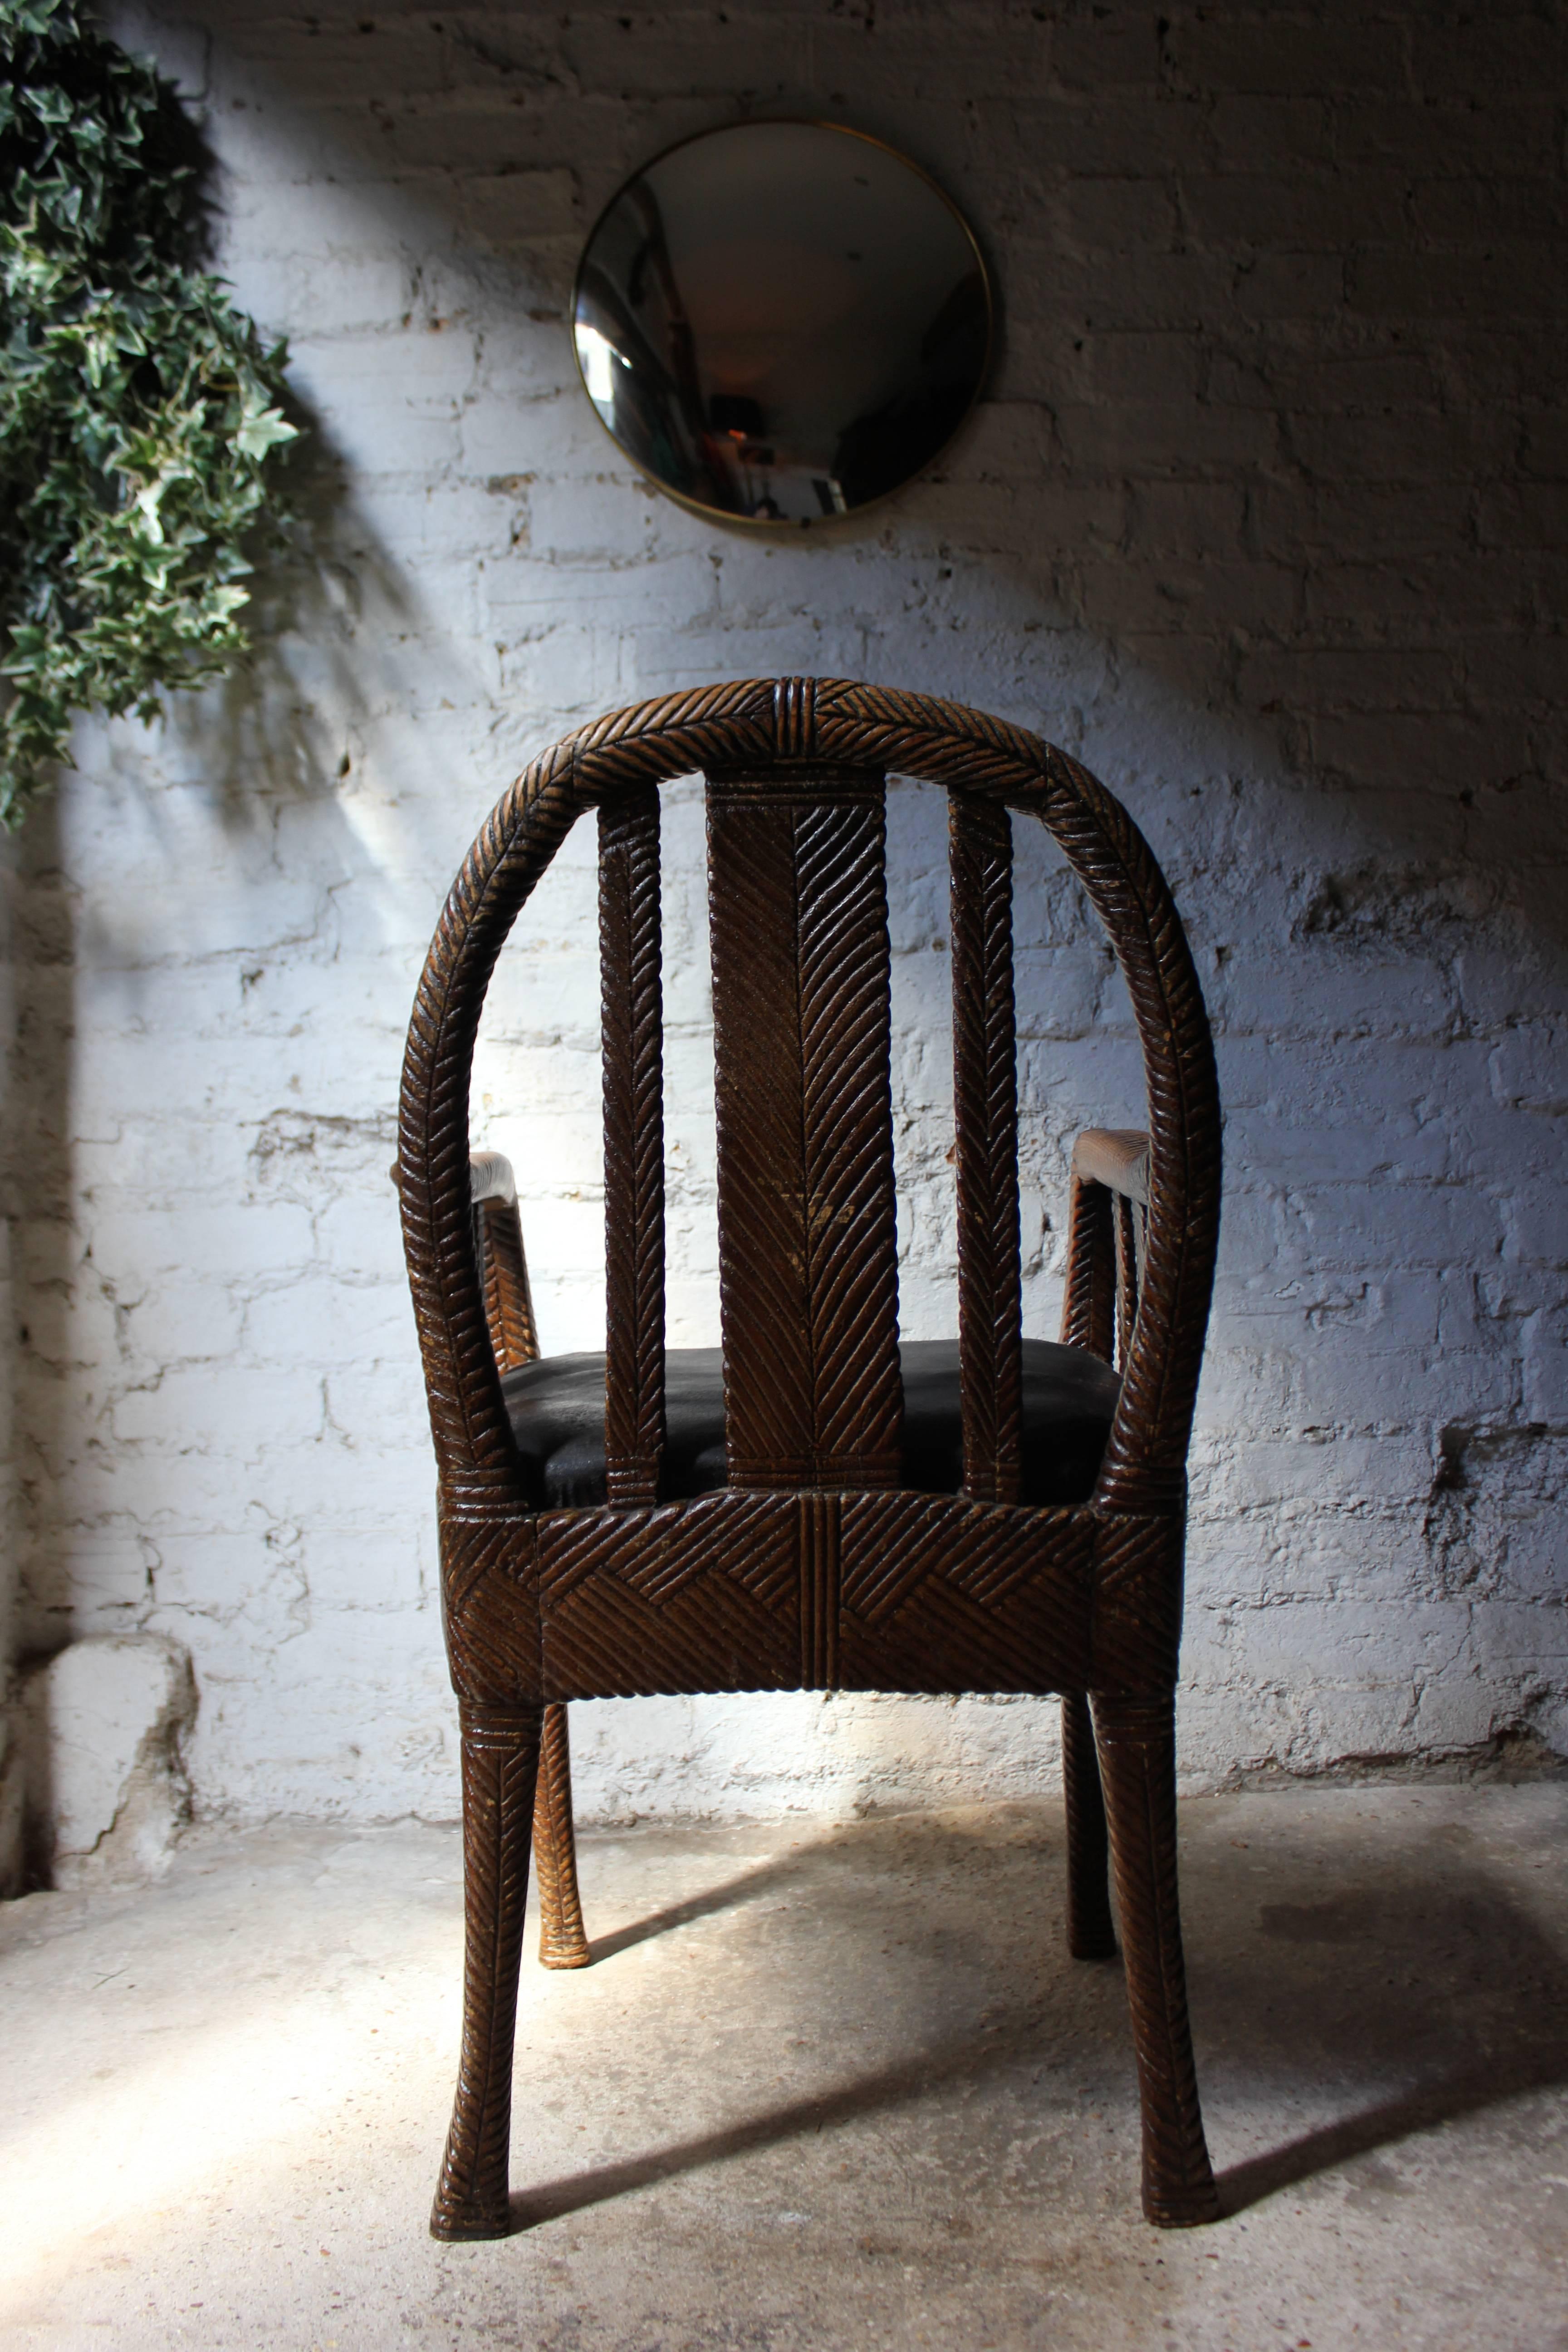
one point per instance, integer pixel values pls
(1263, 517)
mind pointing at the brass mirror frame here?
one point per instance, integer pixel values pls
(783, 527)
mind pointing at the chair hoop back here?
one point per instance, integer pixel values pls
(796, 770)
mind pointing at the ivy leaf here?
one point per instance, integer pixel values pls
(138, 409)
(261, 429)
(50, 106)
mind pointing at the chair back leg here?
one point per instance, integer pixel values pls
(1138, 1766)
(563, 1942)
(501, 1768)
(1091, 1935)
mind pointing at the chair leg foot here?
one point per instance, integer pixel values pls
(1138, 1765)
(500, 1767)
(1090, 1934)
(563, 1940)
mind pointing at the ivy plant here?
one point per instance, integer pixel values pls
(138, 409)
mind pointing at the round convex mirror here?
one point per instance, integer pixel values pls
(781, 322)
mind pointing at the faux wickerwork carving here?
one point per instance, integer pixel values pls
(631, 1014)
(818, 1565)
(942, 1594)
(500, 1768)
(898, 1542)
(985, 1122)
(702, 1596)
(490, 1605)
(728, 728)
(509, 1302)
(514, 1341)
(807, 1266)
(562, 1939)
(1136, 1602)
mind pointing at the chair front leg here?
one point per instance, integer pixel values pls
(500, 1768)
(1138, 1766)
(1091, 1935)
(562, 1942)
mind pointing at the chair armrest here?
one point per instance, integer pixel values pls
(1116, 1156)
(490, 1178)
(503, 1263)
(1107, 1233)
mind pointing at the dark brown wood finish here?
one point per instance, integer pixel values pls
(1110, 1194)
(1091, 1935)
(807, 1253)
(1088, 1303)
(812, 1568)
(986, 1121)
(514, 1341)
(500, 1765)
(631, 1017)
(1136, 1738)
(509, 1301)
(562, 1938)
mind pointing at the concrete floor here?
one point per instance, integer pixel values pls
(825, 2087)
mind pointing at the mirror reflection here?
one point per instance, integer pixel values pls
(782, 321)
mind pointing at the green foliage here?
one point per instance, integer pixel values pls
(138, 407)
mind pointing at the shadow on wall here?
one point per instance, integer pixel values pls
(1270, 425)
(102, 1707)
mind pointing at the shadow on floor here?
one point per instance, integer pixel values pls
(766, 1879)
(1414, 1994)
(1423, 1984)
(879, 2092)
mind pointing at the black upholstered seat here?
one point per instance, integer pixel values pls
(557, 1411)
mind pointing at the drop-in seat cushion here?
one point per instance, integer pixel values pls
(557, 1411)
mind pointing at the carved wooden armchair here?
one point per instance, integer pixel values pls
(815, 1506)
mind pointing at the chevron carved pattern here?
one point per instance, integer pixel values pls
(1137, 1603)
(1126, 1215)
(1092, 1934)
(741, 726)
(562, 1939)
(632, 1029)
(509, 1301)
(514, 1341)
(820, 1605)
(845, 1045)
(760, 1090)
(490, 1607)
(985, 1120)
(690, 1597)
(1137, 1746)
(500, 1765)
(1088, 1304)
(942, 1594)
(807, 1248)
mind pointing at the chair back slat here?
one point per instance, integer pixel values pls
(631, 1025)
(801, 1037)
(985, 1118)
